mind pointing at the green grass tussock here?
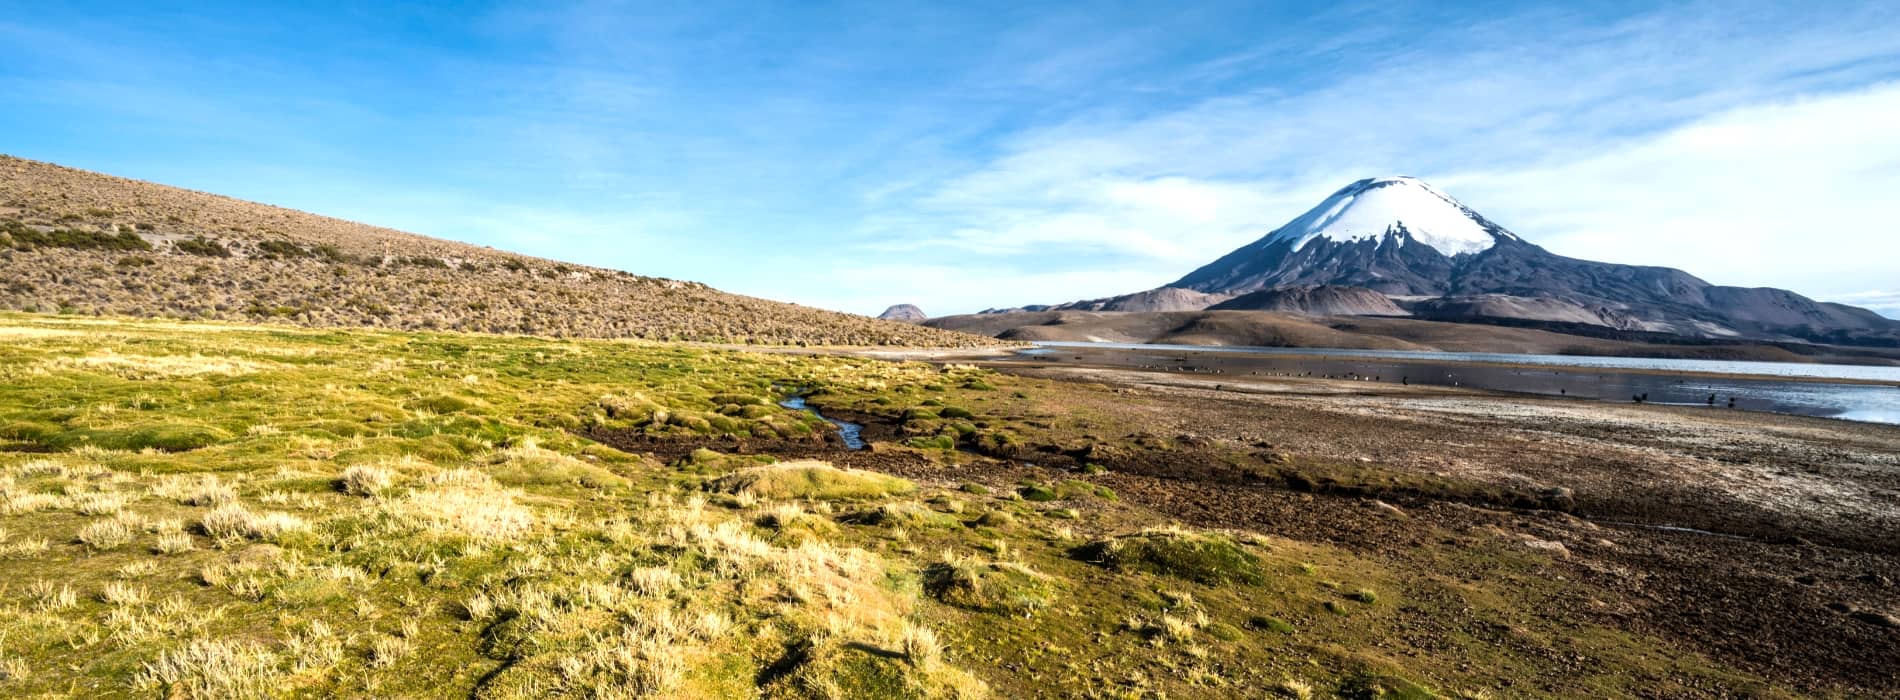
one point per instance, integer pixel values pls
(1007, 588)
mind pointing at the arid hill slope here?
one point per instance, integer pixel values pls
(83, 242)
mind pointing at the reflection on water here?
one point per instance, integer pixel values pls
(1776, 387)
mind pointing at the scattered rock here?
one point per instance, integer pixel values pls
(1875, 618)
(1554, 548)
(1558, 497)
(1192, 440)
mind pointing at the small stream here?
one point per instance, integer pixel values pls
(852, 433)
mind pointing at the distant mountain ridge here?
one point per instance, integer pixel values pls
(83, 242)
(1436, 258)
(907, 313)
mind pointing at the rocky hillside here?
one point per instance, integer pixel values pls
(80, 242)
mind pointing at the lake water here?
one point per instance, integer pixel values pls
(1780, 387)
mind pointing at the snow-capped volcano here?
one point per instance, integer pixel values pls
(1403, 238)
(1395, 209)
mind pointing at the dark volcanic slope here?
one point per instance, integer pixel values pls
(83, 242)
(1322, 300)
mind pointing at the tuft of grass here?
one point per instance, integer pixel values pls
(98, 503)
(106, 534)
(811, 479)
(1270, 624)
(1294, 688)
(222, 668)
(529, 464)
(173, 543)
(119, 593)
(233, 521)
(204, 491)
(464, 503)
(365, 480)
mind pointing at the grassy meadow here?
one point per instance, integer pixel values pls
(223, 511)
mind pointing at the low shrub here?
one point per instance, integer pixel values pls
(201, 246)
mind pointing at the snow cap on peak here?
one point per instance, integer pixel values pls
(1376, 207)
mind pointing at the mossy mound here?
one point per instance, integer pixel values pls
(935, 442)
(812, 479)
(1206, 558)
(996, 587)
(1073, 489)
(911, 515)
(164, 437)
(528, 464)
(445, 403)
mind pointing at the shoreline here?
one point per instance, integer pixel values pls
(1297, 354)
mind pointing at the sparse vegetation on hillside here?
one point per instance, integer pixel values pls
(64, 235)
(373, 513)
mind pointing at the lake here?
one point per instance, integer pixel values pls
(1850, 392)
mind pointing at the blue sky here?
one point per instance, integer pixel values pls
(966, 155)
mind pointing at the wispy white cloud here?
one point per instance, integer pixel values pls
(1742, 142)
(1795, 193)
